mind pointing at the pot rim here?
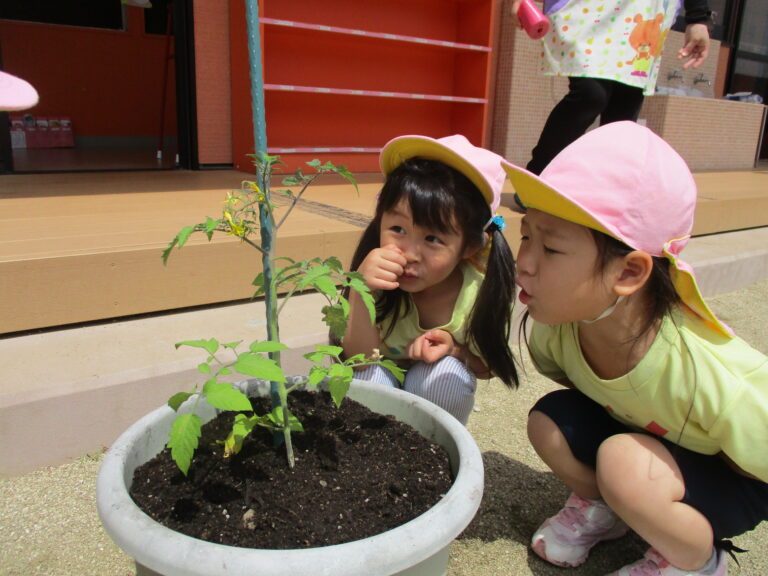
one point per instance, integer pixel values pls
(172, 553)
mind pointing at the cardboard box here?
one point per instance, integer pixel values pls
(64, 137)
(29, 131)
(18, 134)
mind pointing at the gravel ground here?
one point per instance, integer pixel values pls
(49, 525)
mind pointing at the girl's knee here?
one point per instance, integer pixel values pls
(540, 427)
(446, 383)
(629, 464)
(377, 374)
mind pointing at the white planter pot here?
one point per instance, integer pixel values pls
(419, 547)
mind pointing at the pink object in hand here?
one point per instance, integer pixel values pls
(533, 20)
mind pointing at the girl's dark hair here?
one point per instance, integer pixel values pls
(442, 198)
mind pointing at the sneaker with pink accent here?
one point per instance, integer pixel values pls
(566, 538)
(654, 564)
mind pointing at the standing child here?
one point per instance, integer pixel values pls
(663, 425)
(611, 52)
(441, 271)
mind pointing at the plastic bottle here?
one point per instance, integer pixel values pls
(534, 22)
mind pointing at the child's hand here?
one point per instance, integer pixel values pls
(696, 47)
(431, 346)
(382, 267)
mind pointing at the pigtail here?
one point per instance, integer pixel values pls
(491, 319)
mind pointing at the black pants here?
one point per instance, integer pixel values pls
(587, 99)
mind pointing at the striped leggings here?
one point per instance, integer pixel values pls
(447, 383)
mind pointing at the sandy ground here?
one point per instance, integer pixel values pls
(49, 525)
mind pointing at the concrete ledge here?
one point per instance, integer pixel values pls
(727, 262)
(70, 392)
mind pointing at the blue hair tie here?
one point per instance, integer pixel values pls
(495, 223)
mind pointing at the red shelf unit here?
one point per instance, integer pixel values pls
(341, 81)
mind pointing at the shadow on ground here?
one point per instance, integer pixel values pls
(517, 499)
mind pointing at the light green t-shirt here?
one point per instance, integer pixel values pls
(694, 387)
(407, 328)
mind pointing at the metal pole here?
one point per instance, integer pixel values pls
(260, 147)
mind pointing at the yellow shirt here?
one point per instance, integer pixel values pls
(694, 387)
(407, 328)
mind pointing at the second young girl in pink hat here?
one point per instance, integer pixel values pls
(662, 425)
(441, 271)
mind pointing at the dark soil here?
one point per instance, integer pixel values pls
(357, 474)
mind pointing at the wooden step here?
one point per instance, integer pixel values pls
(85, 247)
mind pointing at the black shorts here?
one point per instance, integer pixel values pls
(732, 503)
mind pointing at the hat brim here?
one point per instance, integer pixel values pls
(535, 193)
(686, 287)
(403, 148)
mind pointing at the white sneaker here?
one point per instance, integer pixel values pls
(566, 538)
(654, 564)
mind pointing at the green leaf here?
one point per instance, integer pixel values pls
(205, 368)
(359, 286)
(278, 418)
(316, 375)
(211, 346)
(256, 365)
(210, 227)
(335, 319)
(291, 181)
(334, 351)
(259, 283)
(167, 251)
(339, 379)
(334, 264)
(241, 428)
(178, 399)
(183, 235)
(184, 437)
(325, 285)
(267, 346)
(315, 357)
(345, 173)
(397, 372)
(313, 274)
(224, 397)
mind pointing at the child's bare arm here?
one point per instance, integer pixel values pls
(380, 269)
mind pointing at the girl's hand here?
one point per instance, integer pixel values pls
(382, 267)
(431, 346)
(696, 47)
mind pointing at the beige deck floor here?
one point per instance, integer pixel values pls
(79, 247)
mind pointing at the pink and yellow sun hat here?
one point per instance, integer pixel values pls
(625, 181)
(15, 93)
(481, 166)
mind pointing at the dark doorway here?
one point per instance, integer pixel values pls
(111, 77)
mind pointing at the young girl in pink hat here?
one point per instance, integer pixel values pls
(441, 271)
(662, 425)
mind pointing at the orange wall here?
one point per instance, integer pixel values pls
(214, 106)
(108, 82)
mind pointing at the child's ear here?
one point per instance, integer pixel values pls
(472, 250)
(635, 271)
